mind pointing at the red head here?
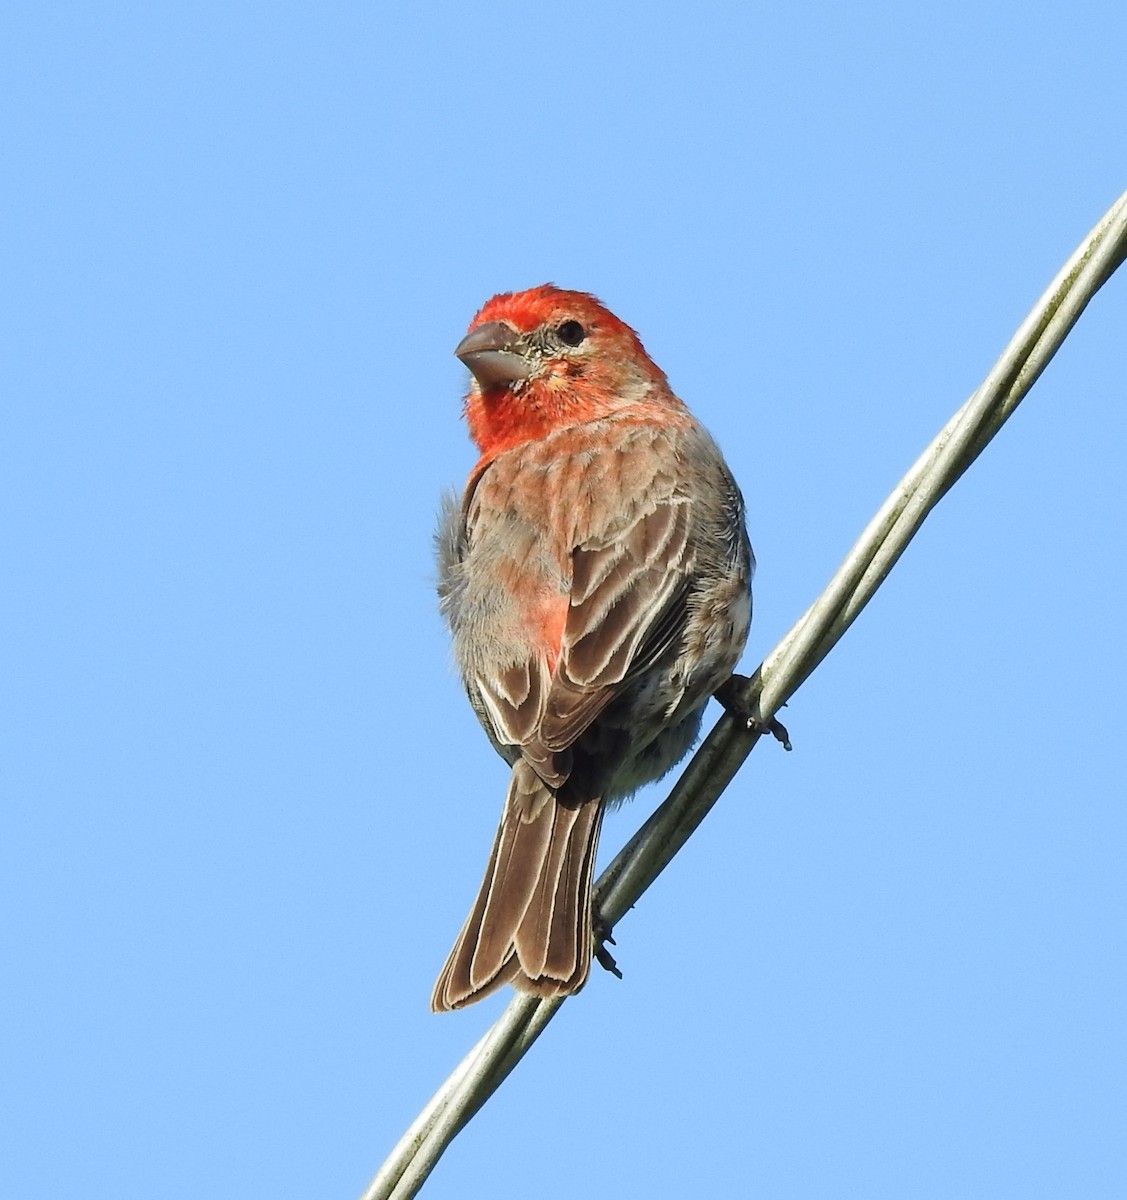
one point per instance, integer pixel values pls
(545, 359)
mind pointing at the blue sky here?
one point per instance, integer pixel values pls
(246, 806)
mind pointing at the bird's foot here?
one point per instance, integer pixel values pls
(735, 694)
(603, 956)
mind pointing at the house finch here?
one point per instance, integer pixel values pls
(596, 580)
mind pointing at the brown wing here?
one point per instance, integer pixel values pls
(612, 596)
(627, 606)
(515, 701)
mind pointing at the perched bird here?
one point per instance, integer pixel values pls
(596, 579)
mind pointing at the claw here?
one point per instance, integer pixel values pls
(606, 960)
(733, 696)
(602, 955)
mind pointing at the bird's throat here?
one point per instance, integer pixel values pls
(503, 417)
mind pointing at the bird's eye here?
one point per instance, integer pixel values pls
(571, 333)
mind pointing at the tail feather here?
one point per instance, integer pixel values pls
(522, 848)
(531, 922)
(558, 920)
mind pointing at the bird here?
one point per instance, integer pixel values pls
(595, 576)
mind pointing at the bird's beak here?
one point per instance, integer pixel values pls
(492, 353)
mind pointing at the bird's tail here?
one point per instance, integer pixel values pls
(531, 922)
